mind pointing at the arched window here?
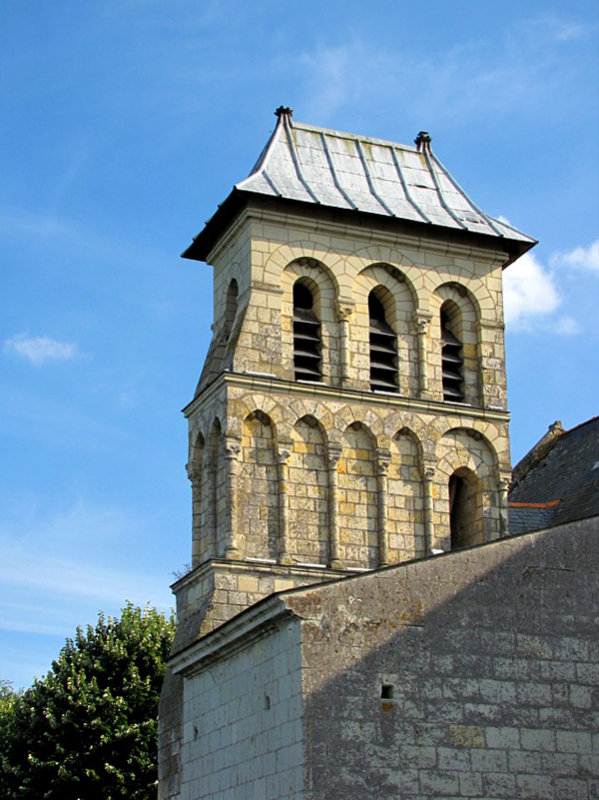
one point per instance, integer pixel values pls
(306, 335)
(452, 362)
(230, 306)
(464, 508)
(383, 348)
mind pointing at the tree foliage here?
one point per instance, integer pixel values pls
(88, 730)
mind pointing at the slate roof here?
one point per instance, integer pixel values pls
(560, 486)
(335, 170)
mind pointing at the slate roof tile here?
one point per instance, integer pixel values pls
(337, 170)
(565, 476)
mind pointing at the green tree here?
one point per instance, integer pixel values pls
(88, 730)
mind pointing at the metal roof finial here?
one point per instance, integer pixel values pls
(284, 111)
(423, 142)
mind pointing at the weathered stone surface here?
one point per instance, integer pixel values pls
(300, 482)
(393, 683)
(526, 603)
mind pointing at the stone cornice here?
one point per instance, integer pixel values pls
(321, 391)
(371, 235)
(253, 624)
(385, 231)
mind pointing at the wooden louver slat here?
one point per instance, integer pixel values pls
(383, 349)
(451, 366)
(306, 345)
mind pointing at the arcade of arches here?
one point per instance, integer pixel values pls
(299, 492)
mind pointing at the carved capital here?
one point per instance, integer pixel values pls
(428, 473)
(383, 459)
(422, 326)
(503, 483)
(422, 320)
(232, 450)
(283, 454)
(193, 472)
(344, 310)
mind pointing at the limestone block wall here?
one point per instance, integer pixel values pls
(242, 735)
(474, 674)
(220, 589)
(357, 499)
(265, 254)
(347, 481)
(328, 472)
(207, 597)
(307, 491)
(312, 480)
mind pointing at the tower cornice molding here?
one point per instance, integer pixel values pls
(271, 384)
(306, 221)
(371, 235)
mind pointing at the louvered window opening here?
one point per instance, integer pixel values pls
(306, 336)
(452, 364)
(383, 349)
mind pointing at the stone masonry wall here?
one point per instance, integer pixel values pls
(243, 737)
(315, 478)
(386, 500)
(265, 253)
(474, 674)
(364, 478)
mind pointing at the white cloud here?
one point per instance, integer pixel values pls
(65, 563)
(40, 349)
(550, 27)
(77, 578)
(567, 326)
(455, 83)
(579, 258)
(529, 292)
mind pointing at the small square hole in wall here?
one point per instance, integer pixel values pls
(387, 691)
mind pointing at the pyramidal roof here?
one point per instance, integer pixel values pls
(336, 170)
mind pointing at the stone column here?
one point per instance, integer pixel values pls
(428, 475)
(483, 389)
(334, 559)
(194, 473)
(210, 497)
(232, 452)
(422, 319)
(343, 314)
(383, 459)
(283, 459)
(503, 485)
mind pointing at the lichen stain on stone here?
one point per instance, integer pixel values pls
(467, 736)
(387, 707)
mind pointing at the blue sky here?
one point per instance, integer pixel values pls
(125, 123)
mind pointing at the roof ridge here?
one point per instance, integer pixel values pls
(581, 425)
(352, 136)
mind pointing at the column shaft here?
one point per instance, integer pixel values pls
(427, 477)
(383, 460)
(283, 554)
(232, 451)
(334, 559)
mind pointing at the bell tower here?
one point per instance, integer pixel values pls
(351, 413)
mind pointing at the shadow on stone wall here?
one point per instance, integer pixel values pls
(474, 674)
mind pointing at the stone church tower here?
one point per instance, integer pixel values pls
(351, 413)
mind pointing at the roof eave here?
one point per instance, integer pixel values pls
(203, 244)
(518, 249)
